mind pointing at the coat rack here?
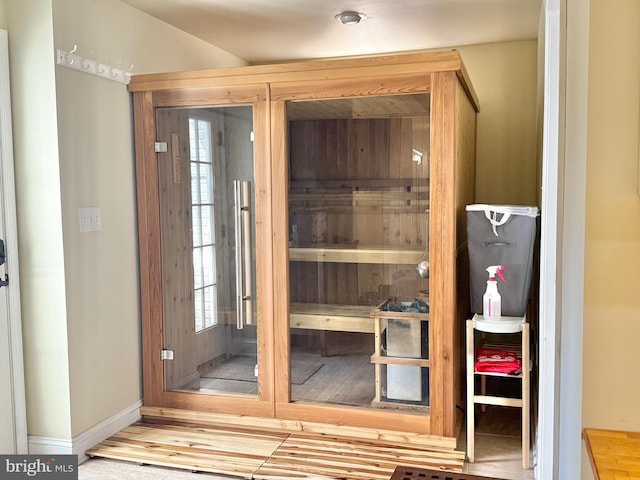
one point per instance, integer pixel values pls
(93, 67)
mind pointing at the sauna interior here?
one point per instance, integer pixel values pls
(358, 190)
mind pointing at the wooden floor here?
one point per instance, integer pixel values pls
(264, 455)
(340, 380)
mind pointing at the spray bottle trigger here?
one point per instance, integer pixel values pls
(499, 271)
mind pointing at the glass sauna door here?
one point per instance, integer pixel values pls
(358, 197)
(207, 218)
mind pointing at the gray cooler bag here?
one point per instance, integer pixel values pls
(501, 235)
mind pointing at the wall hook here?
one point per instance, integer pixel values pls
(66, 56)
(88, 65)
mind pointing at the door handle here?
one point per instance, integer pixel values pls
(244, 275)
(3, 256)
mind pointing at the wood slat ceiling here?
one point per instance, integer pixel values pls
(362, 107)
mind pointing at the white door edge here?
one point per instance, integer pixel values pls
(562, 239)
(11, 242)
(546, 443)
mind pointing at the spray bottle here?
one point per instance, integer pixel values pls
(491, 301)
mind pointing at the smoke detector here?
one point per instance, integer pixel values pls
(350, 17)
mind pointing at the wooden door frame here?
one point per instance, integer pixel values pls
(443, 411)
(145, 104)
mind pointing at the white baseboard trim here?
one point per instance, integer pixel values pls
(78, 445)
(49, 446)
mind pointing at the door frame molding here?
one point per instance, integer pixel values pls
(562, 238)
(11, 239)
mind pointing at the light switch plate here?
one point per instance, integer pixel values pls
(90, 219)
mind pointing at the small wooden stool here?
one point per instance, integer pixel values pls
(504, 325)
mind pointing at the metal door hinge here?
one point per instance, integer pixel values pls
(160, 147)
(167, 354)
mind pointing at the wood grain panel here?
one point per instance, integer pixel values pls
(449, 271)
(331, 253)
(264, 245)
(465, 161)
(356, 417)
(175, 229)
(149, 246)
(358, 87)
(216, 450)
(353, 460)
(393, 436)
(437, 256)
(359, 68)
(280, 225)
(210, 96)
(613, 454)
(343, 318)
(364, 201)
(421, 362)
(262, 454)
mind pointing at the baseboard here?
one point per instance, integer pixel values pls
(78, 445)
(49, 445)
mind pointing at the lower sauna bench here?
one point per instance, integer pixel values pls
(339, 318)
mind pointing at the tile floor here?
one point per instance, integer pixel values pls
(498, 454)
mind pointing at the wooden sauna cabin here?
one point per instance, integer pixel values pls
(283, 213)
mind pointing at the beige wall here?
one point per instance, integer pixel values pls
(504, 76)
(611, 390)
(97, 170)
(115, 33)
(42, 271)
(74, 148)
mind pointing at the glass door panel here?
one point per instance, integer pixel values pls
(358, 244)
(208, 249)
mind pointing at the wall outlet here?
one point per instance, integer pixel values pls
(90, 220)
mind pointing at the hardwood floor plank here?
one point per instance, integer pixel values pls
(223, 465)
(613, 454)
(216, 439)
(267, 455)
(352, 460)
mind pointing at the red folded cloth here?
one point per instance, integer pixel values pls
(496, 361)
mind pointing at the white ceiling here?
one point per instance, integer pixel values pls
(261, 31)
